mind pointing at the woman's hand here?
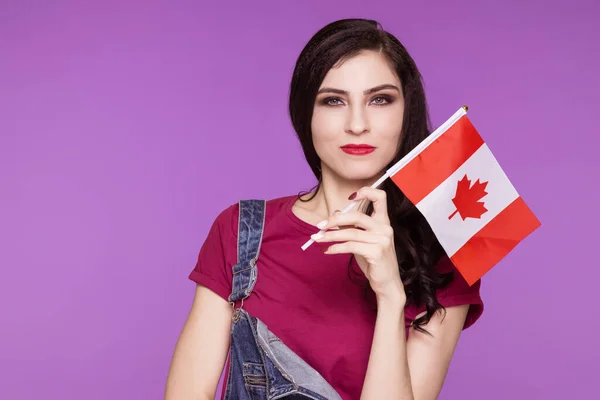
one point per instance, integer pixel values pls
(371, 240)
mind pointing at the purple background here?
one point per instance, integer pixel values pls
(126, 126)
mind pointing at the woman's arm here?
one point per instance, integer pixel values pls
(429, 356)
(201, 349)
(388, 373)
(413, 369)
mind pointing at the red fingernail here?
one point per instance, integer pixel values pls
(324, 249)
(352, 196)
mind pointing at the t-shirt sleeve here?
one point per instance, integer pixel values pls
(458, 293)
(216, 258)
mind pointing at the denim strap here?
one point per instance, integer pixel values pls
(250, 233)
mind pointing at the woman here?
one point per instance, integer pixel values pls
(374, 309)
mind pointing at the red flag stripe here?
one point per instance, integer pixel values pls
(438, 161)
(495, 240)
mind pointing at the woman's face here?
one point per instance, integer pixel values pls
(359, 103)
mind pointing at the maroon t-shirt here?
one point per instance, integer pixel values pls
(307, 298)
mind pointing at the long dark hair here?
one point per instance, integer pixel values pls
(417, 248)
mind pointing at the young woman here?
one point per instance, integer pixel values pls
(374, 308)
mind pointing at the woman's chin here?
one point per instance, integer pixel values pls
(362, 175)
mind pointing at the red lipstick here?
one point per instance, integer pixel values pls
(357, 149)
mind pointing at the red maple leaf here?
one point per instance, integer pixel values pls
(467, 199)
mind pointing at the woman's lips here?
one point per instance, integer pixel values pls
(357, 149)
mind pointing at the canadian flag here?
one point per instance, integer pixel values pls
(456, 183)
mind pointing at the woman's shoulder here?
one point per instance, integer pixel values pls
(459, 291)
(228, 216)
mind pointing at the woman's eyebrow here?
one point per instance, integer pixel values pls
(368, 91)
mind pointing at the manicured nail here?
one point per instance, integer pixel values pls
(317, 236)
(353, 196)
(324, 249)
(322, 224)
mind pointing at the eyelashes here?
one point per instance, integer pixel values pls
(328, 101)
(379, 100)
(385, 98)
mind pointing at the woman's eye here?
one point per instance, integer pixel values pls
(379, 100)
(332, 101)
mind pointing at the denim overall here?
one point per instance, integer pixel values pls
(260, 365)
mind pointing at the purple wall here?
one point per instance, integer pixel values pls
(125, 127)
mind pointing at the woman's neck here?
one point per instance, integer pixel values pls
(332, 195)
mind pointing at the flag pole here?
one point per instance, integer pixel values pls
(406, 159)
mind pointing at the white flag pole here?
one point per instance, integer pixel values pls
(406, 159)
